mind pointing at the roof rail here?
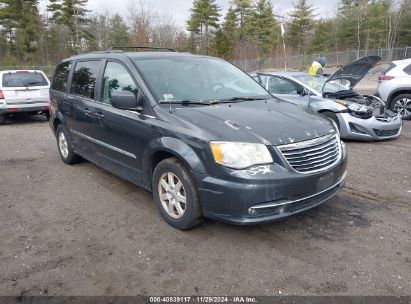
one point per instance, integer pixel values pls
(98, 52)
(142, 48)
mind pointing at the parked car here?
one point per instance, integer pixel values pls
(394, 87)
(358, 116)
(23, 92)
(199, 133)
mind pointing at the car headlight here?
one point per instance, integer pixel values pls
(240, 155)
(355, 107)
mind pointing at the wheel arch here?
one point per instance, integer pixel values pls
(396, 93)
(166, 147)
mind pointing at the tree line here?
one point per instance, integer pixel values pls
(249, 29)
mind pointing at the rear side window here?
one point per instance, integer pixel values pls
(407, 69)
(390, 67)
(23, 79)
(61, 76)
(84, 78)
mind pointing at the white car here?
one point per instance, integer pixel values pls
(394, 87)
(23, 92)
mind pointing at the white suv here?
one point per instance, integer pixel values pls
(394, 87)
(23, 92)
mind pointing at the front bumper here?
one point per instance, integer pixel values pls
(267, 193)
(374, 128)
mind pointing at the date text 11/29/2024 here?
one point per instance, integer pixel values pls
(203, 299)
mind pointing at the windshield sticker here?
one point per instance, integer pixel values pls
(168, 97)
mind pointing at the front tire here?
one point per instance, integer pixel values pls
(2, 119)
(175, 194)
(66, 152)
(402, 105)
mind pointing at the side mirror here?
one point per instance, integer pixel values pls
(125, 100)
(305, 92)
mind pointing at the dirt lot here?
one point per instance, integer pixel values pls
(78, 230)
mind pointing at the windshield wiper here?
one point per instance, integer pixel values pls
(240, 98)
(213, 101)
(33, 83)
(186, 101)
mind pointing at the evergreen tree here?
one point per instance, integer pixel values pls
(243, 10)
(72, 14)
(323, 37)
(404, 26)
(229, 29)
(221, 45)
(262, 26)
(204, 17)
(118, 33)
(302, 21)
(20, 22)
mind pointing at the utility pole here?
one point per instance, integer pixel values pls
(282, 38)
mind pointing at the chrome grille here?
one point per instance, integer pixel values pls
(313, 155)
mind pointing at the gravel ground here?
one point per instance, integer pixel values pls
(78, 230)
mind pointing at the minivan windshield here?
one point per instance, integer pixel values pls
(317, 83)
(197, 79)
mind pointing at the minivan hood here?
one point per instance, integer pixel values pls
(356, 70)
(272, 122)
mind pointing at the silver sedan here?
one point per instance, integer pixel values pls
(360, 117)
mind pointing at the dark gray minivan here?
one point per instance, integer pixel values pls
(200, 134)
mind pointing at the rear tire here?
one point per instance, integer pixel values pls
(66, 152)
(2, 119)
(402, 105)
(175, 194)
(333, 116)
(47, 114)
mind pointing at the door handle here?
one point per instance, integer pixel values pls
(99, 115)
(87, 112)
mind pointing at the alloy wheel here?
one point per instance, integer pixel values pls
(172, 195)
(63, 146)
(403, 107)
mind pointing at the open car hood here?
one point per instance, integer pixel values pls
(356, 70)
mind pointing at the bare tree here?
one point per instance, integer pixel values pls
(141, 19)
(165, 33)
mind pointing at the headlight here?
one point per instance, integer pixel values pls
(240, 155)
(355, 107)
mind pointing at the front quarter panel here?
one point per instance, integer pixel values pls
(319, 104)
(179, 149)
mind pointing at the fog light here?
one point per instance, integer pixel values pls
(251, 210)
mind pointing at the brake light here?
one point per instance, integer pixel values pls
(22, 72)
(385, 77)
(1, 94)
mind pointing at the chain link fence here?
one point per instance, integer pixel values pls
(301, 62)
(333, 59)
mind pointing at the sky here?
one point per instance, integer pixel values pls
(180, 9)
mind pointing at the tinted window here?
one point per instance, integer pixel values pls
(24, 79)
(116, 78)
(390, 67)
(407, 69)
(84, 78)
(61, 76)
